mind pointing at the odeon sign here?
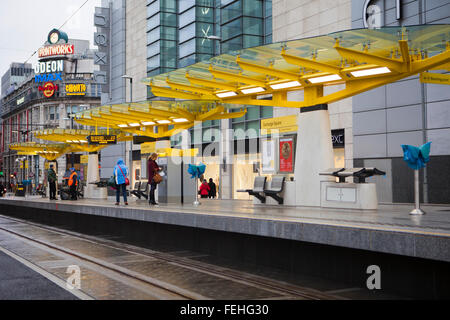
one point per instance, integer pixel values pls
(49, 67)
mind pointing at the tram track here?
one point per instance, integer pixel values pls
(278, 288)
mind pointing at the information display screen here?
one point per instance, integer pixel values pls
(102, 139)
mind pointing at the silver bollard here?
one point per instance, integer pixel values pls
(417, 210)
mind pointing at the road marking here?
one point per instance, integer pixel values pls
(77, 293)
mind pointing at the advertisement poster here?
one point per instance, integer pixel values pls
(268, 156)
(286, 155)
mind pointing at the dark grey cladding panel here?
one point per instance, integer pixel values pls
(438, 173)
(403, 182)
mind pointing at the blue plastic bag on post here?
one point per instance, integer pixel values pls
(196, 171)
(416, 157)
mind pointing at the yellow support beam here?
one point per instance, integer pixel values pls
(310, 64)
(207, 115)
(365, 57)
(211, 83)
(198, 90)
(266, 70)
(236, 77)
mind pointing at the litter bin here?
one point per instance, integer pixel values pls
(20, 191)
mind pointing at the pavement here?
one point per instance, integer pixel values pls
(18, 282)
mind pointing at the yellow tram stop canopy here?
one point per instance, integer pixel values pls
(77, 139)
(50, 152)
(351, 61)
(157, 119)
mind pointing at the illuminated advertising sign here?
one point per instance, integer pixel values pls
(47, 77)
(102, 139)
(286, 155)
(49, 67)
(76, 89)
(48, 89)
(56, 50)
(20, 101)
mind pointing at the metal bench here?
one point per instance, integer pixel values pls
(364, 173)
(258, 189)
(333, 172)
(359, 173)
(135, 191)
(276, 186)
(143, 191)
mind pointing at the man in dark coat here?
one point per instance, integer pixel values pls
(51, 177)
(212, 189)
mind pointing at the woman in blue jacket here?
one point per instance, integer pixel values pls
(121, 172)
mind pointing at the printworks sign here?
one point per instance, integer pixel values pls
(102, 139)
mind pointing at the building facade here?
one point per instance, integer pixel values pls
(60, 85)
(404, 112)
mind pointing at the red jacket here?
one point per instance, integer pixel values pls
(204, 189)
(152, 168)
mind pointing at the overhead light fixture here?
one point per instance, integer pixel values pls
(75, 141)
(148, 123)
(226, 94)
(83, 141)
(284, 85)
(180, 120)
(163, 121)
(370, 72)
(253, 90)
(69, 141)
(331, 77)
(134, 124)
(122, 125)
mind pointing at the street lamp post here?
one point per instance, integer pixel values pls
(131, 85)
(216, 38)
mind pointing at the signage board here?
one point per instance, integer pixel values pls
(49, 67)
(268, 155)
(75, 89)
(338, 138)
(48, 89)
(437, 78)
(56, 50)
(84, 158)
(286, 155)
(20, 100)
(148, 147)
(102, 139)
(280, 124)
(47, 77)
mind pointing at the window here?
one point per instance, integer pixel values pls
(187, 32)
(187, 17)
(154, 35)
(187, 48)
(252, 41)
(232, 29)
(153, 49)
(185, 4)
(253, 26)
(153, 8)
(153, 22)
(253, 8)
(231, 12)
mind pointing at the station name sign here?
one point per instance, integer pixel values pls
(49, 67)
(56, 50)
(102, 139)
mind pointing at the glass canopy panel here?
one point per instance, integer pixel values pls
(430, 39)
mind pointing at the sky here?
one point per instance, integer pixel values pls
(25, 24)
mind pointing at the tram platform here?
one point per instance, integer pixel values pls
(390, 229)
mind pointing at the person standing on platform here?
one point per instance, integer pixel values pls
(212, 189)
(204, 189)
(121, 173)
(51, 177)
(73, 184)
(152, 169)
